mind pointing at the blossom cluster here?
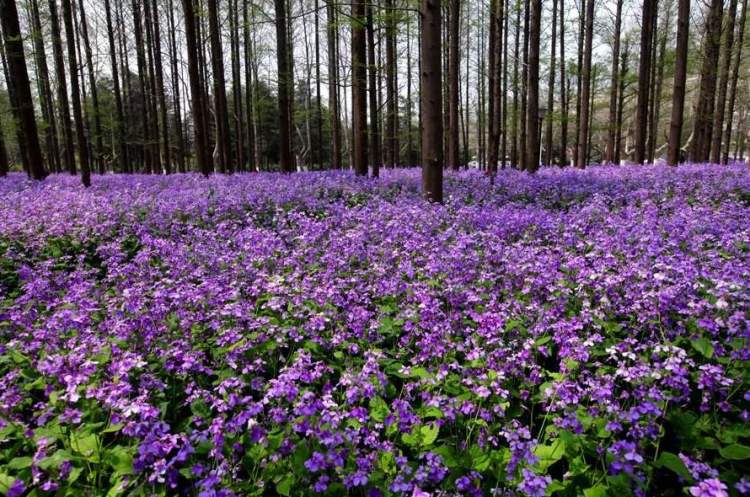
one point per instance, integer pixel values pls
(566, 333)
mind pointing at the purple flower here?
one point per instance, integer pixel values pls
(532, 484)
(712, 487)
(16, 489)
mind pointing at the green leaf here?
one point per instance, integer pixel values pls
(703, 345)
(541, 341)
(674, 463)
(19, 463)
(378, 409)
(85, 444)
(597, 490)
(429, 433)
(549, 454)
(736, 452)
(284, 486)
(121, 460)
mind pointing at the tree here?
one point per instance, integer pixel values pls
(333, 86)
(196, 89)
(735, 78)
(391, 88)
(160, 91)
(583, 122)
(551, 87)
(372, 69)
(644, 70)
(94, 93)
(285, 81)
(563, 94)
(220, 97)
(119, 123)
(531, 157)
(431, 105)
(83, 151)
(359, 89)
(614, 85)
(454, 15)
(62, 91)
(680, 76)
(704, 111)
(19, 79)
(717, 128)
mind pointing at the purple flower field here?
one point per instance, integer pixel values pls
(569, 333)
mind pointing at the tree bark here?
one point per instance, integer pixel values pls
(375, 146)
(196, 90)
(431, 101)
(19, 79)
(583, 122)
(680, 77)
(614, 85)
(551, 88)
(621, 102)
(563, 94)
(701, 144)
(359, 89)
(454, 17)
(721, 99)
(119, 123)
(252, 151)
(83, 152)
(391, 88)
(735, 78)
(285, 80)
(221, 110)
(161, 93)
(237, 114)
(532, 105)
(644, 70)
(516, 51)
(99, 146)
(176, 102)
(68, 149)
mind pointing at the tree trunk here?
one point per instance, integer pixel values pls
(621, 103)
(704, 112)
(68, 150)
(333, 86)
(454, 18)
(644, 70)
(735, 78)
(651, 128)
(532, 105)
(579, 80)
(45, 90)
(583, 122)
(359, 89)
(409, 117)
(225, 161)
(318, 103)
(161, 93)
(431, 101)
(145, 151)
(176, 102)
(523, 145)
(564, 96)
(3, 153)
(680, 76)
(196, 90)
(239, 125)
(391, 88)
(19, 79)
(659, 83)
(551, 88)
(514, 130)
(252, 150)
(614, 85)
(285, 81)
(721, 99)
(373, 96)
(504, 93)
(83, 153)
(99, 147)
(119, 121)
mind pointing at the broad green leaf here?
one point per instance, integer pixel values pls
(598, 490)
(378, 409)
(674, 463)
(284, 486)
(703, 345)
(86, 444)
(429, 433)
(735, 452)
(549, 454)
(19, 463)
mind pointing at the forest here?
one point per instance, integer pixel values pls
(384, 248)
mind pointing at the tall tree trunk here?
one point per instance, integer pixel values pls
(153, 139)
(532, 105)
(564, 96)
(68, 150)
(196, 89)
(504, 93)
(161, 93)
(583, 122)
(175, 81)
(409, 117)
(651, 127)
(145, 151)
(391, 88)
(119, 122)
(614, 85)
(333, 86)
(721, 98)
(99, 146)
(285, 81)
(318, 103)
(514, 131)
(19, 79)
(659, 82)
(680, 77)
(621, 103)
(252, 154)
(239, 125)
(220, 96)
(579, 79)
(431, 101)
(14, 106)
(45, 90)
(523, 145)
(4, 163)
(373, 95)
(704, 112)
(551, 88)
(359, 89)
(454, 17)
(735, 78)
(644, 70)
(83, 152)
